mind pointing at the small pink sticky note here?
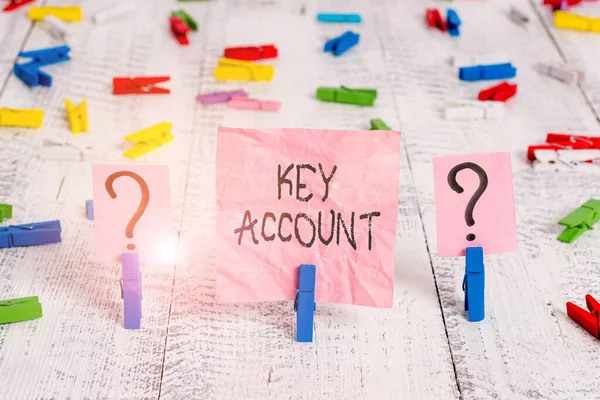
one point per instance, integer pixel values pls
(140, 208)
(287, 197)
(492, 220)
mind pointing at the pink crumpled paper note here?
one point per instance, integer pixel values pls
(277, 191)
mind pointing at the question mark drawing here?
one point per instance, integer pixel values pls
(483, 183)
(108, 184)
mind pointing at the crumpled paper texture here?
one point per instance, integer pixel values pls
(366, 180)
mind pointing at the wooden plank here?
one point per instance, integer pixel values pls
(249, 350)
(80, 348)
(526, 347)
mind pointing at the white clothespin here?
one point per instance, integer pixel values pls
(518, 17)
(562, 72)
(473, 110)
(57, 28)
(112, 11)
(463, 60)
(556, 160)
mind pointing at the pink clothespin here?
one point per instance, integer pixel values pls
(245, 103)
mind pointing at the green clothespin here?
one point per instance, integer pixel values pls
(17, 310)
(185, 17)
(361, 97)
(5, 211)
(379, 125)
(580, 220)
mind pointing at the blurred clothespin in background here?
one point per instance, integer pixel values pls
(77, 116)
(67, 14)
(18, 310)
(22, 118)
(15, 4)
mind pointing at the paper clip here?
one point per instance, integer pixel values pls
(304, 303)
(342, 43)
(77, 116)
(67, 14)
(18, 310)
(21, 118)
(186, 19)
(251, 53)
(487, 72)
(576, 22)
(14, 4)
(33, 234)
(246, 103)
(580, 220)
(473, 110)
(148, 139)
(179, 30)
(474, 284)
(434, 19)
(501, 92)
(335, 17)
(57, 28)
(5, 211)
(361, 97)
(590, 321)
(220, 97)
(112, 11)
(518, 17)
(140, 85)
(453, 22)
(89, 209)
(379, 125)
(229, 69)
(131, 290)
(562, 72)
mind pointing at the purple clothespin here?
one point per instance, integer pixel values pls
(220, 97)
(131, 290)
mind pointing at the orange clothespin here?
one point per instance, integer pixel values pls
(590, 321)
(180, 30)
(140, 85)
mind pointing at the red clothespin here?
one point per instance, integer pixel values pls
(500, 92)
(251, 53)
(590, 321)
(139, 85)
(180, 30)
(434, 19)
(561, 141)
(14, 4)
(561, 4)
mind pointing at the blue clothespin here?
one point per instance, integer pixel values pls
(342, 43)
(32, 75)
(474, 284)
(452, 22)
(334, 17)
(47, 56)
(89, 209)
(304, 304)
(487, 72)
(33, 234)
(131, 290)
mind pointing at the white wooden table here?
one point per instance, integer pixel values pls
(191, 347)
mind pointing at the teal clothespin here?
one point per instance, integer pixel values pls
(17, 310)
(379, 125)
(580, 220)
(186, 18)
(361, 97)
(5, 211)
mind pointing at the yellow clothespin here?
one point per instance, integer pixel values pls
(576, 22)
(148, 139)
(77, 116)
(243, 70)
(68, 14)
(21, 118)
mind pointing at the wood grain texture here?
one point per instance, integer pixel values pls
(191, 347)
